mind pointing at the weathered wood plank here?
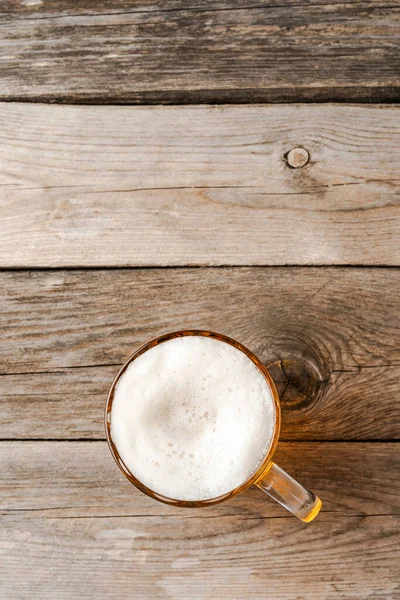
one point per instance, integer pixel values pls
(338, 558)
(72, 527)
(206, 52)
(109, 186)
(80, 479)
(329, 336)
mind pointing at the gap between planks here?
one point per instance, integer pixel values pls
(28, 269)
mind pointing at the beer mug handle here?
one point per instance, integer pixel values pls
(289, 493)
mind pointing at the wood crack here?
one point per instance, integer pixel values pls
(185, 9)
(351, 369)
(243, 516)
(56, 370)
(358, 368)
(320, 289)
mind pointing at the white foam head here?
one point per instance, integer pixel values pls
(192, 418)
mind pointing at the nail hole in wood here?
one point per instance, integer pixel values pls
(297, 158)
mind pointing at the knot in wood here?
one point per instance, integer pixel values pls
(299, 382)
(297, 157)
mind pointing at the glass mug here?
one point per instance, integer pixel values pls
(269, 477)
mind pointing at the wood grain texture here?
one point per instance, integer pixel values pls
(80, 479)
(128, 186)
(345, 558)
(72, 526)
(208, 51)
(329, 337)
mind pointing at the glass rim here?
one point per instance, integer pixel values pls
(266, 462)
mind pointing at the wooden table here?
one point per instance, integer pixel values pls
(263, 202)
